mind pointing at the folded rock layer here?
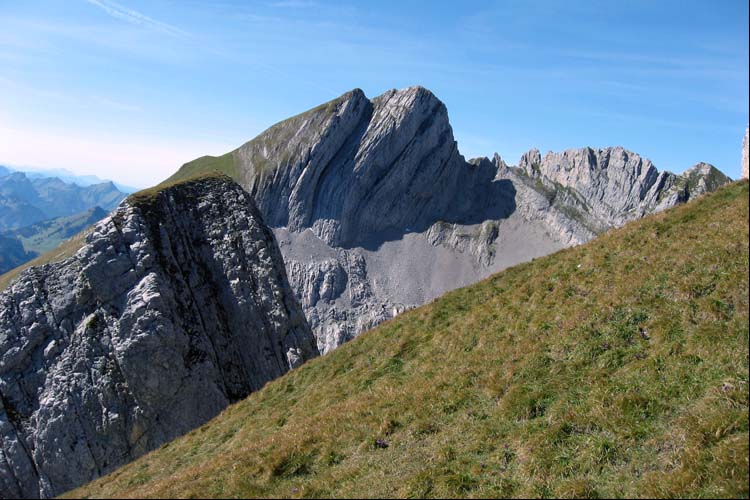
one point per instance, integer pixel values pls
(376, 211)
(177, 305)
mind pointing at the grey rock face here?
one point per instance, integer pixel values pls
(358, 172)
(177, 305)
(376, 211)
(611, 186)
(613, 182)
(744, 155)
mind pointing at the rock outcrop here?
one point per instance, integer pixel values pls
(177, 305)
(376, 211)
(612, 186)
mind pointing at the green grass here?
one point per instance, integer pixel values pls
(614, 369)
(224, 164)
(273, 141)
(146, 197)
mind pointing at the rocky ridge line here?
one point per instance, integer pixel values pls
(376, 211)
(177, 305)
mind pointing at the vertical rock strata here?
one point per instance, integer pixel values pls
(177, 306)
(376, 211)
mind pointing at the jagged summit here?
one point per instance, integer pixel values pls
(359, 171)
(356, 171)
(176, 306)
(619, 185)
(397, 216)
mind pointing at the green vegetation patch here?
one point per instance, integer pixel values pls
(146, 197)
(224, 164)
(275, 139)
(618, 368)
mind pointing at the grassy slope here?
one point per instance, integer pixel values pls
(270, 139)
(205, 164)
(617, 368)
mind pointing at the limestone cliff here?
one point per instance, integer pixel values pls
(177, 305)
(611, 186)
(376, 211)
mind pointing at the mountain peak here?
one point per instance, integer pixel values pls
(346, 157)
(371, 175)
(177, 305)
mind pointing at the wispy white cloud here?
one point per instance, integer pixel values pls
(134, 17)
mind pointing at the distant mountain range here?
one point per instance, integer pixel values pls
(65, 176)
(38, 213)
(48, 234)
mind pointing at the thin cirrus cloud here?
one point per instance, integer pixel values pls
(134, 17)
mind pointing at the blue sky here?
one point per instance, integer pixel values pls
(129, 90)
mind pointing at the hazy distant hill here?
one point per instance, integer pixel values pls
(12, 253)
(66, 176)
(38, 213)
(47, 235)
(25, 201)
